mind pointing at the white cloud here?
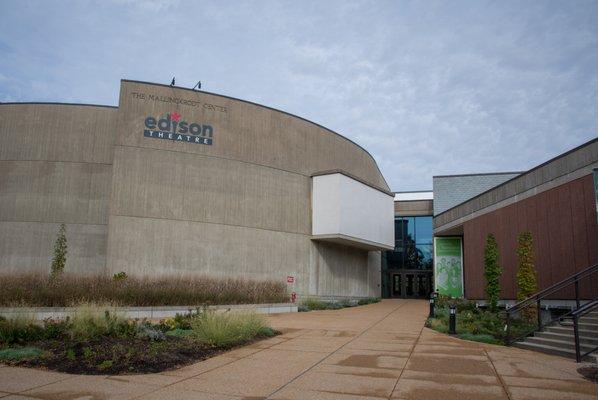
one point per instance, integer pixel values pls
(427, 87)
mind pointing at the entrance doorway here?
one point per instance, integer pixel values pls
(411, 284)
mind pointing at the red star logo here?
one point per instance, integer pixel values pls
(175, 116)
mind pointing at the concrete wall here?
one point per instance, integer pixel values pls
(239, 207)
(412, 208)
(55, 167)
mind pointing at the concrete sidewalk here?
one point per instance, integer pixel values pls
(369, 352)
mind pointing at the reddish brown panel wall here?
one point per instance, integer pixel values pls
(563, 224)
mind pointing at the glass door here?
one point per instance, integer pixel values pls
(396, 285)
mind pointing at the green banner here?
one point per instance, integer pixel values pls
(448, 266)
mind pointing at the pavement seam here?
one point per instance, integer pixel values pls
(330, 354)
(502, 382)
(206, 371)
(45, 384)
(407, 361)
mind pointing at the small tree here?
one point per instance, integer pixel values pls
(60, 250)
(526, 273)
(492, 271)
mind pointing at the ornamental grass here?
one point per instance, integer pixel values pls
(38, 290)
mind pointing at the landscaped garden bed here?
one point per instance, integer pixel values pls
(313, 304)
(98, 341)
(474, 323)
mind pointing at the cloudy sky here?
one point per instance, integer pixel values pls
(429, 88)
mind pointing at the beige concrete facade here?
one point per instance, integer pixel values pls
(55, 167)
(238, 207)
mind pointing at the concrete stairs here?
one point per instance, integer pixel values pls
(558, 338)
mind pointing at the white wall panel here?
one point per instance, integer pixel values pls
(347, 211)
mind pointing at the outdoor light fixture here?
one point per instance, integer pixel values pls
(453, 320)
(172, 83)
(432, 315)
(197, 85)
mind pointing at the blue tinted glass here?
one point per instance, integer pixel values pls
(423, 230)
(411, 258)
(425, 255)
(409, 229)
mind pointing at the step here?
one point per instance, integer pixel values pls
(558, 351)
(567, 338)
(583, 324)
(569, 330)
(564, 344)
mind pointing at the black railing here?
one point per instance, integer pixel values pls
(586, 308)
(536, 300)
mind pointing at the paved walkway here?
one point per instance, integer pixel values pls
(370, 352)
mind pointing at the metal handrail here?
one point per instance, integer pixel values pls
(537, 298)
(586, 308)
(553, 288)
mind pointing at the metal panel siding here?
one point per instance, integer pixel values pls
(452, 190)
(563, 224)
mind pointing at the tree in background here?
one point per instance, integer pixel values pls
(492, 272)
(60, 250)
(526, 273)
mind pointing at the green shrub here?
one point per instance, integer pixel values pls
(54, 329)
(60, 251)
(120, 276)
(369, 300)
(90, 322)
(526, 273)
(484, 338)
(20, 353)
(227, 329)
(492, 272)
(105, 364)
(20, 329)
(151, 332)
(437, 324)
(345, 303)
(314, 304)
(182, 333)
(461, 305)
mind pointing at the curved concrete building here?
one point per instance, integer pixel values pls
(176, 181)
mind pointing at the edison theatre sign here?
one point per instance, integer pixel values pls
(173, 127)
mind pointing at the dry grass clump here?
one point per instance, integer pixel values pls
(229, 328)
(37, 290)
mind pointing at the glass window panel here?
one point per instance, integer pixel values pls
(423, 230)
(426, 254)
(409, 229)
(398, 229)
(412, 257)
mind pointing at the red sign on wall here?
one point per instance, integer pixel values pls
(290, 279)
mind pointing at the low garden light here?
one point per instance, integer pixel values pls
(453, 320)
(432, 314)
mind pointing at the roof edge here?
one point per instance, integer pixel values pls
(355, 178)
(479, 174)
(524, 173)
(56, 103)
